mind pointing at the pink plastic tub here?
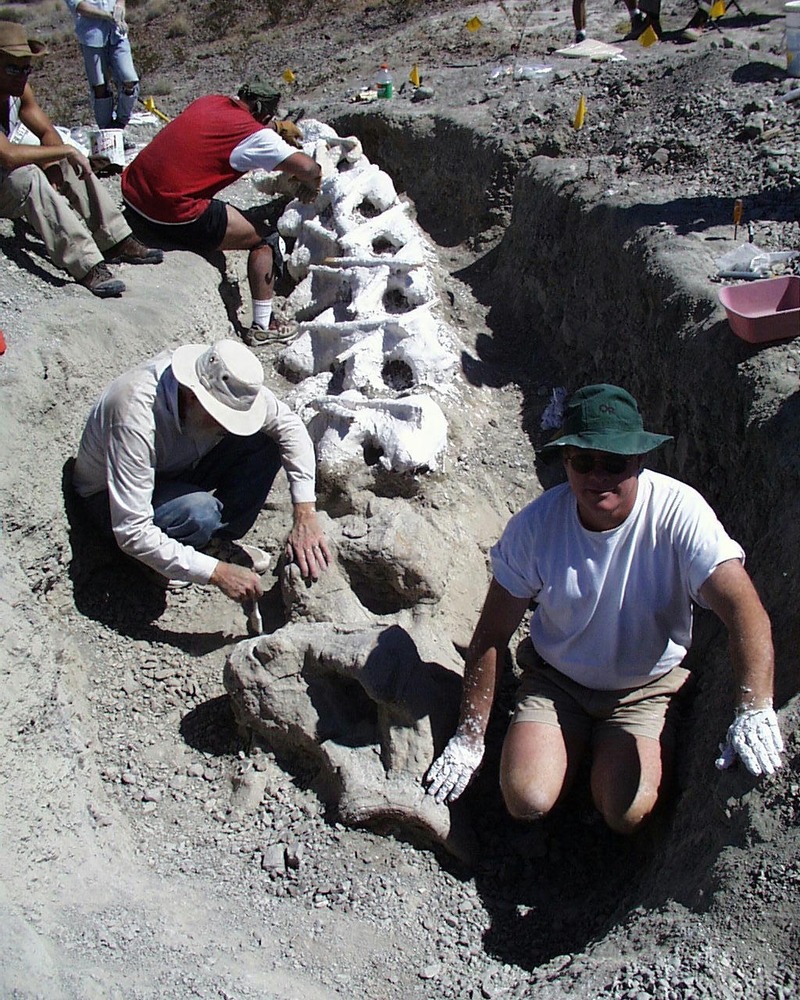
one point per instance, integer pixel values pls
(763, 311)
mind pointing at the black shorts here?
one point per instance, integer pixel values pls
(205, 233)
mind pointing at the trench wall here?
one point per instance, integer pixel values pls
(598, 287)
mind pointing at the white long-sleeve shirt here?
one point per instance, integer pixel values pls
(134, 432)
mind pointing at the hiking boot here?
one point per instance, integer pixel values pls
(276, 334)
(100, 282)
(580, 36)
(131, 251)
(230, 550)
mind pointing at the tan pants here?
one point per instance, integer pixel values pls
(77, 218)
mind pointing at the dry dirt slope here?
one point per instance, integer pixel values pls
(111, 891)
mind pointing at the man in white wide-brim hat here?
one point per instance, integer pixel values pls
(176, 461)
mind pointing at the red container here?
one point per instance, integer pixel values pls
(764, 311)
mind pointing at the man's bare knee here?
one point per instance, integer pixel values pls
(525, 801)
(101, 90)
(129, 87)
(631, 819)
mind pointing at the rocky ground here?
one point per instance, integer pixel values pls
(149, 849)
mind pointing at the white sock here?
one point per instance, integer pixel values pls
(262, 312)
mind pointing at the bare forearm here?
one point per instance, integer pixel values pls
(480, 684)
(729, 592)
(750, 645)
(39, 156)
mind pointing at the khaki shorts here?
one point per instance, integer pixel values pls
(548, 696)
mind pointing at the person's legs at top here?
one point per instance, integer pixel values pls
(121, 68)
(579, 18)
(638, 19)
(102, 98)
(694, 29)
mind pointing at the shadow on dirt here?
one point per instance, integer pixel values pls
(211, 728)
(109, 588)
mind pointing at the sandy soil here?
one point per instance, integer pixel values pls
(135, 862)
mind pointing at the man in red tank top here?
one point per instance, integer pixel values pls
(215, 141)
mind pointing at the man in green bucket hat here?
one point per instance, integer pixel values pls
(612, 561)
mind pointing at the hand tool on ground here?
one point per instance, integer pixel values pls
(255, 626)
(150, 105)
(738, 208)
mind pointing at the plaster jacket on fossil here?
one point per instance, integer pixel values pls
(371, 348)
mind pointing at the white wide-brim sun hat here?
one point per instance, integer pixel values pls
(228, 380)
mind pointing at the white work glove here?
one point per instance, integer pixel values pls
(754, 736)
(451, 772)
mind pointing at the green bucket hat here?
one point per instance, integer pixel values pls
(605, 418)
(261, 95)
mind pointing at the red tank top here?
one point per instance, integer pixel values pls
(174, 178)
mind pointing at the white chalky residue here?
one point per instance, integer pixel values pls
(365, 304)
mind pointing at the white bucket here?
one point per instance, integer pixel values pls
(792, 12)
(108, 142)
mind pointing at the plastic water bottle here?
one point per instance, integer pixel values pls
(383, 81)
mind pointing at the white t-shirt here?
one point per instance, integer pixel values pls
(613, 607)
(263, 150)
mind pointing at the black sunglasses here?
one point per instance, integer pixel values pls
(583, 463)
(18, 70)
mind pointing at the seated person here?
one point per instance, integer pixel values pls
(211, 144)
(177, 458)
(52, 186)
(613, 559)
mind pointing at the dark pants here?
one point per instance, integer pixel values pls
(221, 496)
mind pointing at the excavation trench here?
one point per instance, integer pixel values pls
(587, 286)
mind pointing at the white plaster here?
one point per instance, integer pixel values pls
(368, 314)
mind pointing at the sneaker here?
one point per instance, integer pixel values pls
(257, 336)
(131, 251)
(580, 36)
(231, 551)
(101, 282)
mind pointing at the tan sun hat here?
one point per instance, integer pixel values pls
(228, 380)
(14, 41)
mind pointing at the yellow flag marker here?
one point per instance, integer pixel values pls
(413, 76)
(288, 76)
(717, 10)
(648, 37)
(150, 105)
(474, 24)
(580, 114)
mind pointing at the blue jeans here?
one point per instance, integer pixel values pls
(220, 496)
(112, 62)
